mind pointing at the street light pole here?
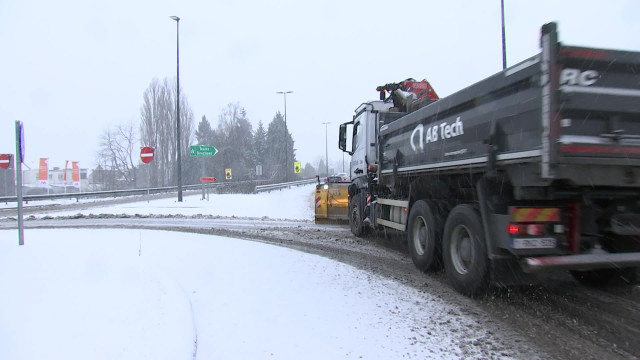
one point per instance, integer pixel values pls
(504, 41)
(286, 152)
(326, 147)
(177, 20)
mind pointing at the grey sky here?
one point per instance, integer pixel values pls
(72, 68)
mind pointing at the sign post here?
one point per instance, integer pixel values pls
(204, 179)
(18, 166)
(202, 151)
(146, 155)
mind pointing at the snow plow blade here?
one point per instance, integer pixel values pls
(332, 203)
(535, 265)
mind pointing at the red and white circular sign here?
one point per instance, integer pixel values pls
(5, 160)
(146, 154)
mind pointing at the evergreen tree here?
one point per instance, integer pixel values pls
(260, 146)
(204, 132)
(234, 137)
(277, 154)
(204, 136)
(309, 171)
(322, 168)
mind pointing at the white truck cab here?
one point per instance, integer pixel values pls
(363, 147)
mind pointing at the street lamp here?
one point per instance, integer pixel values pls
(177, 20)
(326, 147)
(286, 153)
(504, 41)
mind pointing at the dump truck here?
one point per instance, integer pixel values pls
(532, 170)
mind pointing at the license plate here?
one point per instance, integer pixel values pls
(534, 243)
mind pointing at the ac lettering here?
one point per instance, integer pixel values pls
(577, 77)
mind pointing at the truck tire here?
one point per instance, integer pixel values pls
(356, 220)
(464, 252)
(423, 236)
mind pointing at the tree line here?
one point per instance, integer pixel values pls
(258, 154)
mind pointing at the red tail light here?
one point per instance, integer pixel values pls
(536, 229)
(513, 229)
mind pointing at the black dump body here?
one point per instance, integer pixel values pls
(568, 114)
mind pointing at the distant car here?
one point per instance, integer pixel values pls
(338, 178)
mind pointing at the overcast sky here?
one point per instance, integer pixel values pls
(72, 68)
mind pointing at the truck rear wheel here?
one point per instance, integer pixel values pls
(423, 236)
(464, 251)
(356, 220)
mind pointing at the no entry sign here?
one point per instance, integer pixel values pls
(146, 154)
(5, 160)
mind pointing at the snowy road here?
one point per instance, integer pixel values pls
(557, 320)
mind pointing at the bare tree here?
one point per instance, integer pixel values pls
(158, 129)
(117, 150)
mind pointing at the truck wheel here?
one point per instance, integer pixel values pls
(423, 236)
(355, 216)
(464, 251)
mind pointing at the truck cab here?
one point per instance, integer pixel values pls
(362, 132)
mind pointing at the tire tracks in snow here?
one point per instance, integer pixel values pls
(569, 320)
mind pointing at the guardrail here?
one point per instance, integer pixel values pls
(270, 187)
(97, 194)
(229, 187)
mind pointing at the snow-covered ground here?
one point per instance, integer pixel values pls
(295, 203)
(144, 294)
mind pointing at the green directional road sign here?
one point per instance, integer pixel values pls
(202, 150)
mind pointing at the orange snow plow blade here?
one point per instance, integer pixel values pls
(332, 203)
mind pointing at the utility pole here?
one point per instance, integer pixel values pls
(326, 147)
(177, 20)
(504, 41)
(286, 152)
(17, 163)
